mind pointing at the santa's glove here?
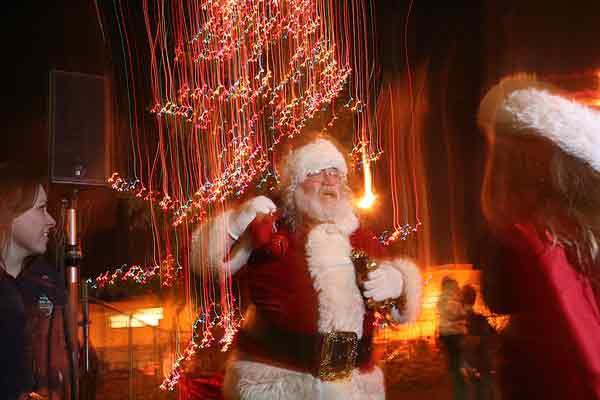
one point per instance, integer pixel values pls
(240, 219)
(386, 282)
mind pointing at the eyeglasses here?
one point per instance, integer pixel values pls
(319, 176)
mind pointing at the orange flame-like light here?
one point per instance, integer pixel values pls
(591, 96)
(368, 199)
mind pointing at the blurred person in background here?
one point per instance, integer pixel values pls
(452, 329)
(478, 347)
(541, 198)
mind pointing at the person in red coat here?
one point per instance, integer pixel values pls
(541, 196)
(308, 332)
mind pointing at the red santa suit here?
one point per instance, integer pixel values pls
(300, 298)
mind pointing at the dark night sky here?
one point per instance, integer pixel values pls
(542, 36)
(466, 45)
(38, 37)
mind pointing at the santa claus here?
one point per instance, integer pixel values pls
(308, 333)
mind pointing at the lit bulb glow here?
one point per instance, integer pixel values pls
(368, 199)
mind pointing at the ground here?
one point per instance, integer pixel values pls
(414, 370)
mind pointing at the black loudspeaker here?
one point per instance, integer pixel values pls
(79, 128)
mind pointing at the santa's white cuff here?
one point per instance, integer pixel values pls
(413, 288)
(211, 245)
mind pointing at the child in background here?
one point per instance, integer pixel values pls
(452, 330)
(478, 346)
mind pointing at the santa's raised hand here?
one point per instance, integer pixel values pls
(245, 214)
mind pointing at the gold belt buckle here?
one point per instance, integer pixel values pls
(338, 355)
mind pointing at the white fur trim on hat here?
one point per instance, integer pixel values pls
(572, 126)
(314, 157)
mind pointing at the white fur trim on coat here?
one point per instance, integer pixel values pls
(313, 157)
(341, 306)
(572, 126)
(211, 245)
(413, 287)
(248, 380)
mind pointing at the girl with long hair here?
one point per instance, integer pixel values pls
(32, 293)
(541, 198)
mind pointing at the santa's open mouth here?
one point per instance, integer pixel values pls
(329, 194)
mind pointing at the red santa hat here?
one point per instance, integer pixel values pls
(313, 157)
(523, 106)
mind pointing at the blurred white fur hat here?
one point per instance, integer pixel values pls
(521, 105)
(313, 157)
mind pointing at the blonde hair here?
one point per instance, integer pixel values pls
(558, 193)
(577, 227)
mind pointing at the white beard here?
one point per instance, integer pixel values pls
(340, 213)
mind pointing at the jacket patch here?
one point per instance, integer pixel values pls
(45, 305)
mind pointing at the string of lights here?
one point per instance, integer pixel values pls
(167, 271)
(229, 81)
(203, 337)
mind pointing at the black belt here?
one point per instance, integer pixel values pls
(327, 356)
